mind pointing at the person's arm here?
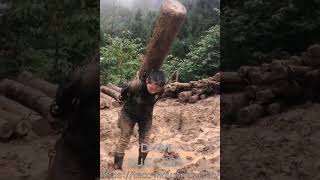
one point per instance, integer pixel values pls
(131, 87)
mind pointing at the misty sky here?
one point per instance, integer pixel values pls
(132, 4)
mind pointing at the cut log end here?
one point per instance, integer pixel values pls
(173, 7)
(22, 128)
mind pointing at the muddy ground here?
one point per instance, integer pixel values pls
(279, 147)
(185, 142)
(25, 158)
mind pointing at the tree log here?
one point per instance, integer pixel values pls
(28, 79)
(27, 96)
(167, 26)
(110, 92)
(18, 124)
(265, 96)
(277, 73)
(194, 98)
(184, 96)
(250, 113)
(244, 71)
(231, 78)
(312, 56)
(114, 87)
(104, 103)
(230, 104)
(39, 125)
(298, 70)
(178, 87)
(216, 77)
(14, 107)
(199, 92)
(5, 130)
(203, 96)
(274, 108)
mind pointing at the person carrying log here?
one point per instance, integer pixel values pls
(138, 98)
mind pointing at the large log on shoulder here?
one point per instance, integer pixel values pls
(168, 24)
(27, 96)
(29, 79)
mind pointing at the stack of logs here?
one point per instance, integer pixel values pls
(186, 92)
(24, 106)
(255, 91)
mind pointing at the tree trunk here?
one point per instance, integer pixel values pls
(167, 26)
(28, 79)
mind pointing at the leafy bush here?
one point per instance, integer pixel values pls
(202, 61)
(119, 61)
(255, 31)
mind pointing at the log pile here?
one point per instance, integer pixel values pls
(185, 92)
(194, 90)
(24, 106)
(256, 91)
(109, 95)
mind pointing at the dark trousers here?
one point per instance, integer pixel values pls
(126, 124)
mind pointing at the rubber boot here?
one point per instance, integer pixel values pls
(118, 159)
(142, 157)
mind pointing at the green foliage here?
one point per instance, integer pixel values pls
(48, 37)
(202, 61)
(195, 52)
(256, 31)
(119, 61)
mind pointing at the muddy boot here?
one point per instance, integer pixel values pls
(118, 159)
(142, 157)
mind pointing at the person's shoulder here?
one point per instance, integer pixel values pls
(136, 84)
